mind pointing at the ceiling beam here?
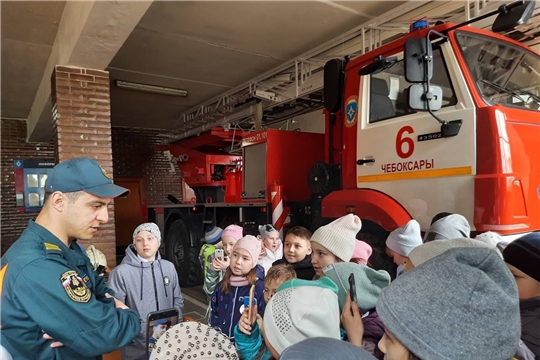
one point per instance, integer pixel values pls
(89, 35)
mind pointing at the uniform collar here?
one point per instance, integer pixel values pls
(46, 237)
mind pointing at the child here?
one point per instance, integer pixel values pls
(300, 310)
(146, 282)
(452, 226)
(462, 304)
(429, 250)
(522, 256)
(243, 272)
(216, 269)
(272, 246)
(369, 284)
(362, 252)
(401, 241)
(213, 240)
(276, 276)
(334, 242)
(297, 252)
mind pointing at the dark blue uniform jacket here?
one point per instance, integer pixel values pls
(51, 288)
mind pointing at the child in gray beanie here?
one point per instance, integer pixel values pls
(453, 226)
(145, 282)
(468, 309)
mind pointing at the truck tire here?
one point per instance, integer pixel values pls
(184, 257)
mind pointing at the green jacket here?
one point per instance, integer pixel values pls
(51, 288)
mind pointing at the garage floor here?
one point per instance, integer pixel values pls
(195, 303)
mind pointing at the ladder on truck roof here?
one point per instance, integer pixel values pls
(295, 88)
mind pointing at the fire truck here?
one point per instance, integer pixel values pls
(443, 119)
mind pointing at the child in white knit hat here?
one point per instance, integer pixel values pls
(334, 242)
(301, 309)
(272, 248)
(402, 241)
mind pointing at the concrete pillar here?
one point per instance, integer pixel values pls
(82, 127)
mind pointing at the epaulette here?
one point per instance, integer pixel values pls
(52, 248)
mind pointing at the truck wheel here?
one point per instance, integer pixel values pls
(182, 255)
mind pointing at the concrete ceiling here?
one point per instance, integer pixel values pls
(203, 47)
(28, 32)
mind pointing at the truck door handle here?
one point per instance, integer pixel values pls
(365, 161)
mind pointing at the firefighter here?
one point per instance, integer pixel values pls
(54, 306)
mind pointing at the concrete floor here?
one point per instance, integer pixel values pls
(195, 303)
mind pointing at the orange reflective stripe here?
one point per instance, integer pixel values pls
(2, 274)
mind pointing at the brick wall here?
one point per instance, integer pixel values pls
(82, 127)
(135, 156)
(14, 146)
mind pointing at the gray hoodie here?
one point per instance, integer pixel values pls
(145, 287)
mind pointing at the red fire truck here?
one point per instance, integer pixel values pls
(444, 119)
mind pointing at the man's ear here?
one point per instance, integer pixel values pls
(58, 201)
(309, 249)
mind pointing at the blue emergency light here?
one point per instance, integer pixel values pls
(419, 24)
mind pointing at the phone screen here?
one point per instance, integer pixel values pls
(158, 324)
(220, 254)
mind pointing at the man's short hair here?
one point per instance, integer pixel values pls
(300, 232)
(72, 196)
(281, 272)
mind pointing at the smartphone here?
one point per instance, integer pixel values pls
(158, 323)
(251, 295)
(220, 254)
(352, 287)
(100, 269)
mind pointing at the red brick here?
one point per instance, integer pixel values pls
(97, 73)
(81, 77)
(68, 69)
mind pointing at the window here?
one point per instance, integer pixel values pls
(388, 89)
(504, 74)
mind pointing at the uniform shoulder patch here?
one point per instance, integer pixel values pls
(49, 246)
(75, 287)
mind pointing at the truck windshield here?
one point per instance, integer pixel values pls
(504, 74)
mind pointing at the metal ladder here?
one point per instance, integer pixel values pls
(295, 88)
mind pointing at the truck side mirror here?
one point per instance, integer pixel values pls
(419, 99)
(513, 15)
(333, 79)
(418, 60)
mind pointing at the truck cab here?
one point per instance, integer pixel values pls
(397, 163)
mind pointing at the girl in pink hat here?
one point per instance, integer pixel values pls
(227, 302)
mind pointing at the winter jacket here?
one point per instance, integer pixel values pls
(373, 331)
(52, 288)
(145, 287)
(251, 347)
(227, 308)
(268, 260)
(530, 324)
(206, 255)
(304, 269)
(211, 279)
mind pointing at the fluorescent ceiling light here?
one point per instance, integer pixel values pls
(150, 88)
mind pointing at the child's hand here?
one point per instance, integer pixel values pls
(352, 321)
(245, 324)
(219, 265)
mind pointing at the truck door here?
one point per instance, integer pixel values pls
(424, 172)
